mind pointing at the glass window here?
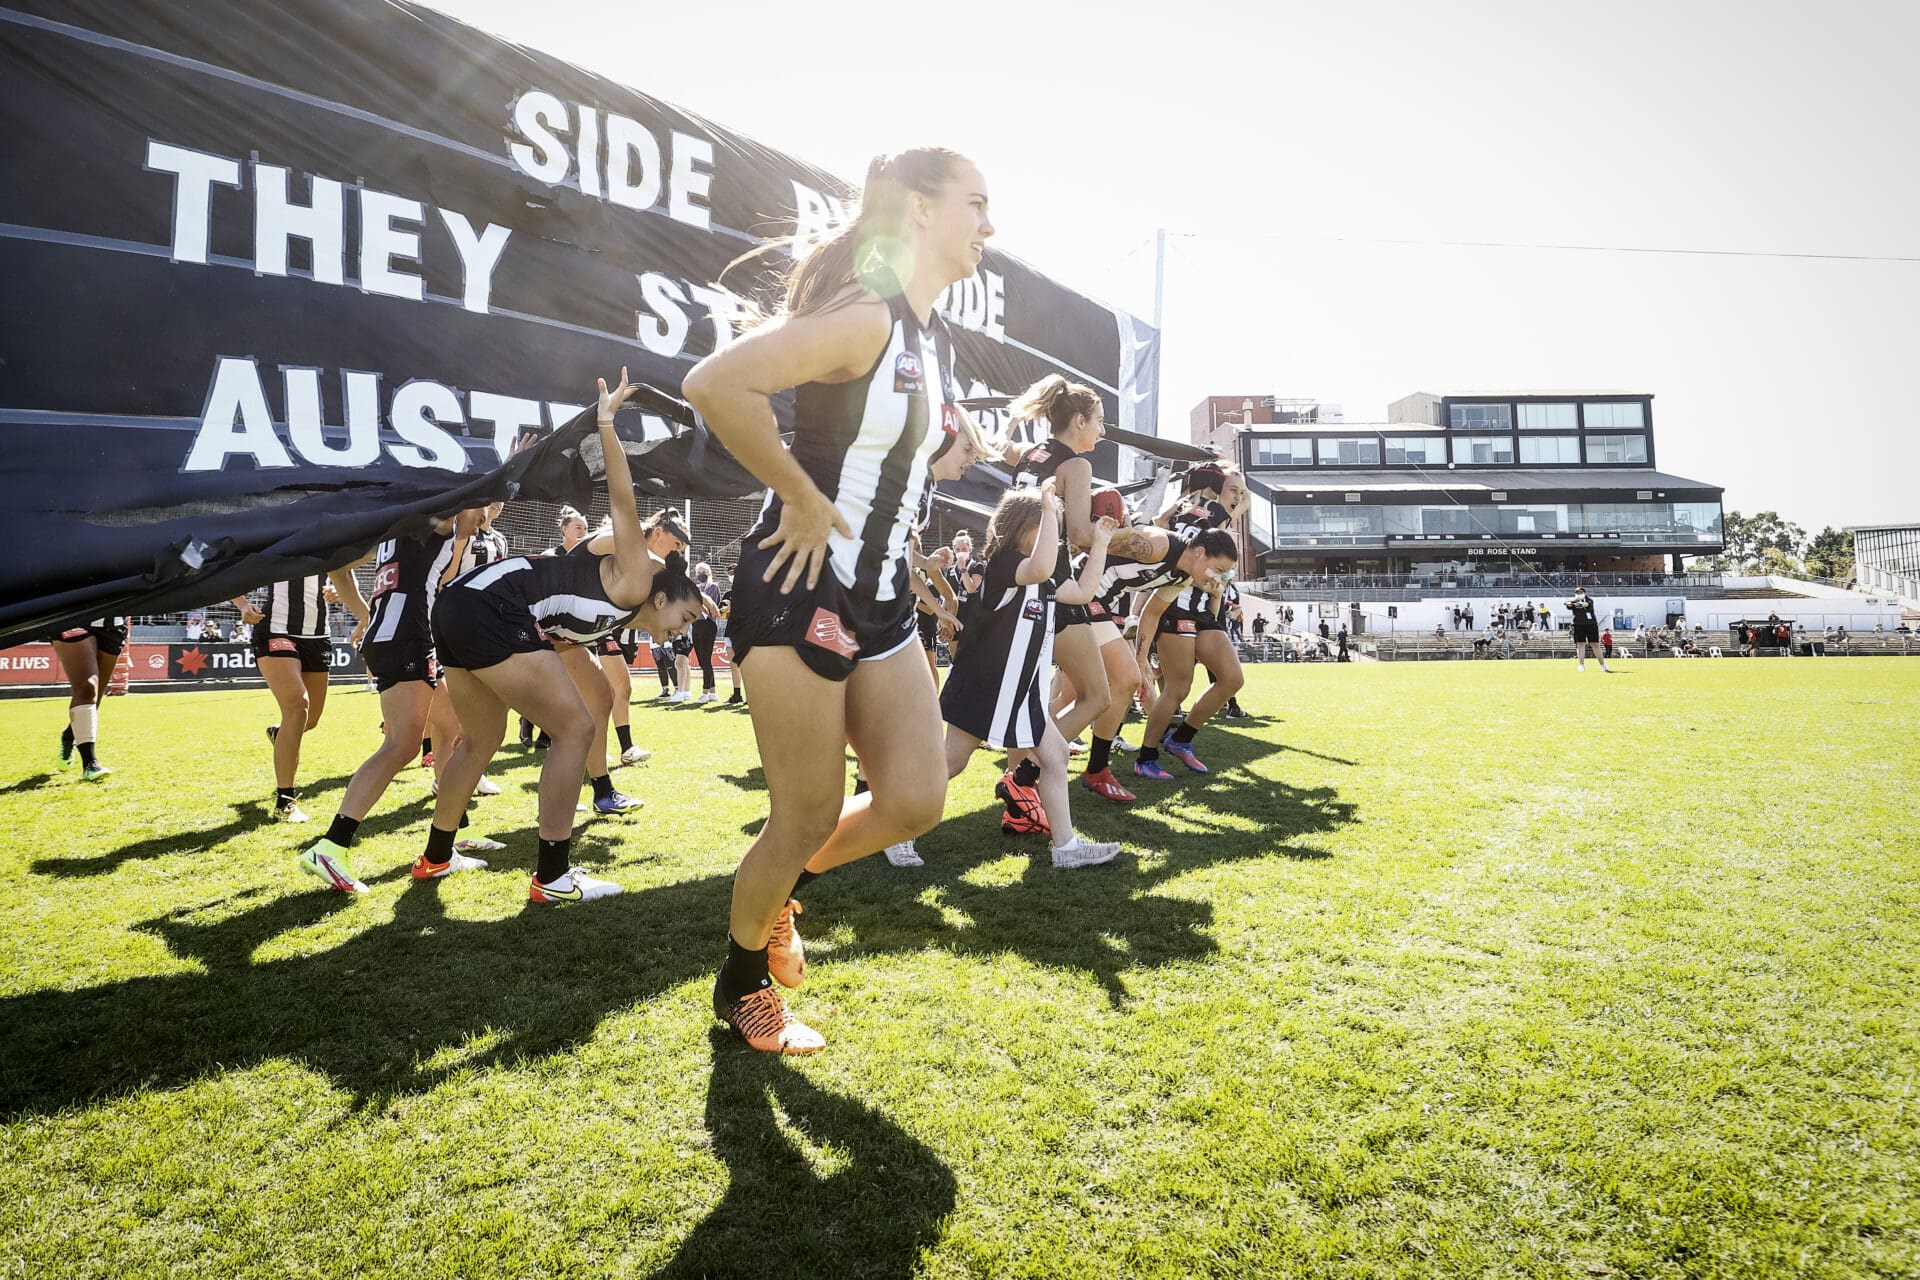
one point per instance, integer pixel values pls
(1481, 417)
(1616, 417)
(1549, 448)
(1548, 417)
(1478, 451)
(1283, 453)
(1421, 451)
(1613, 449)
(1350, 451)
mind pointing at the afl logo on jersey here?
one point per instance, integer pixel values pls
(1035, 608)
(950, 419)
(907, 375)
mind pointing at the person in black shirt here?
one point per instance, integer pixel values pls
(1586, 629)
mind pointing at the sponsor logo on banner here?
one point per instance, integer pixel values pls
(907, 375)
(829, 632)
(157, 662)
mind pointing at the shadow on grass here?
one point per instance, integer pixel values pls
(26, 784)
(870, 1216)
(397, 1007)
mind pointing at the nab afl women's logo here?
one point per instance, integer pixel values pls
(906, 373)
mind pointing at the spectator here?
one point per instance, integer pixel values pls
(1344, 655)
(1325, 632)
(1546, 617)
(1606, 643)
(1259, 628)
(1469, 617)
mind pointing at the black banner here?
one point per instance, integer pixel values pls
(280, 276)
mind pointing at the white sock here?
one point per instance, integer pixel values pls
(85, 722)
(1069, 846)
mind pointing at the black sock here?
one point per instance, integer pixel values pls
(463, 822)
(439, 845)
(1027, 773)
(526, 729)
(426, 746)
(1184, 734)
(1100, 758)
(806, 877)
(343, 830)
(860, 786)
(1146, 753)
(744, 973)
(86, 753)
(555, 857)
(285, 795)
(602, 786)
(626, 736)
(66, 738)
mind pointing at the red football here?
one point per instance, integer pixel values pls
(1108, 503)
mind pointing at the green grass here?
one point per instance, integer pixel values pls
(1447, 970)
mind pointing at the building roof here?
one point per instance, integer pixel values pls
(1882, 528)
(1343, 428)
(1489, 479)
(1528, 393)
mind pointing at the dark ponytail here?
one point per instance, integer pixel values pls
(671, 580)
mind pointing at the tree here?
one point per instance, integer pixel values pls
(1830, 554)
(1748, 538)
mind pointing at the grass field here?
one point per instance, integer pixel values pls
(1446, 970)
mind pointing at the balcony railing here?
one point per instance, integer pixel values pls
(1335, 584)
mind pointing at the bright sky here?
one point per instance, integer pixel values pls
(1278, 142)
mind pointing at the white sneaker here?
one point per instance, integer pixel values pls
(682, 696)
(709, 696)
(291, 812)
(1121, 744)
(635, 754)
(575, 886)
(904, 855)
(1084, 853)
(424, 870)
(486, 787)
(478, 844)
(1076, 748)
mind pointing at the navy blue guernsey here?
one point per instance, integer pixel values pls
(1189, 521)
(1123, 575)
(867, 445)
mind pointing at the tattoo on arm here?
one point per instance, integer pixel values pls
(1133, 544)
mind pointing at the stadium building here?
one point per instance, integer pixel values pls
(1886, 558)
(1473, 489)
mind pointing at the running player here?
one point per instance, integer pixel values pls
(997, 691)
(497, 628)
(88, 654)
(1190, 629)
(396, 644)
(1074, 418)
(294, 652)
(1586, 629)
(823, 618)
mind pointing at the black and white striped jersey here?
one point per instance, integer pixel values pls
(296, 607)
(1037, 466)
(1012, 651)
(485, 547)
(563, 593)
(1187, 522)
(1123, 575)
(406, 580)
(867, 444)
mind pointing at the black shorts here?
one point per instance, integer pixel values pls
(472, 630)
(1586, 635)
(681, 645)
(612, 646)
(1070, 615)
(1185, 622)
(315, 653)
(929, 630)
(110, 639)
(831, 629)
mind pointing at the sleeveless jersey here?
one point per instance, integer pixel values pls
(1583, 612)
(1123, 575)
(297, 607)
(867, 445)
(406, 581)
(485, 547)
(1187, 522)
(563, 593)
(1037, 466)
